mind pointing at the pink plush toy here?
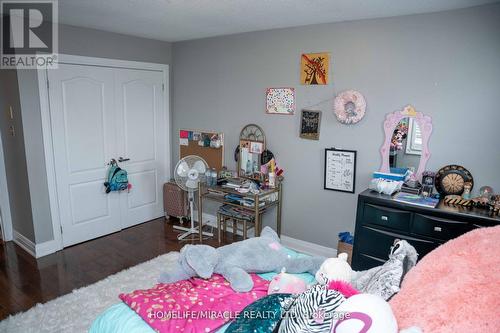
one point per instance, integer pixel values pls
(343, 287)
(287, 284)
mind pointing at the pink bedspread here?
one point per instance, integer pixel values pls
(195, 305)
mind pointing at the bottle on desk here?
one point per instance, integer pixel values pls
(272, 174)
(208, 177)
(213, 177)
(272, 180)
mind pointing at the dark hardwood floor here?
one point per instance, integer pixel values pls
(26, 281)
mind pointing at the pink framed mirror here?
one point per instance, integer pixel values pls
(406, 143)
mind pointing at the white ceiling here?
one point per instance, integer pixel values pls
(176, 20)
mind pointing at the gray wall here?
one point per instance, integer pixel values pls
(446, 64)
(14, 155)
(75, 41)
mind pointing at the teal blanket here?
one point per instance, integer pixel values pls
(120, 318)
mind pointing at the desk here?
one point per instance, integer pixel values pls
(209, 193)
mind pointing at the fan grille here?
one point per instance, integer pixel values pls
(189, 171)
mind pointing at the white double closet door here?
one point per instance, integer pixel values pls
(99, 113)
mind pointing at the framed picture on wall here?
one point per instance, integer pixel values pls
(340, 170)
(310, 122)
(315, 68)
(280, 101)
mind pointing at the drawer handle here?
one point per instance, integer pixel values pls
(384, 218)
(438, 229)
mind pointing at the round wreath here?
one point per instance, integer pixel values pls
(349, 107)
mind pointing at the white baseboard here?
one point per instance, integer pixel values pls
(36, 250)
(24, 243)
(46, 248)
(211, 220)
(292, 243)
(307, 247)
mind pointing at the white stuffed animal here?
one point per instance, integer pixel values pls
(334, 269)
(366, 313)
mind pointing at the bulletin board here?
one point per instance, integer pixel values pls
(189, 144)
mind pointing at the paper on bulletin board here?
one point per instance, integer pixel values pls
(184, 142)
(244, 155)
(256, 147)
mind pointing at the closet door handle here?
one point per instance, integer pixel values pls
(121, 159)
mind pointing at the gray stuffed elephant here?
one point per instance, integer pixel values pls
(234, 262)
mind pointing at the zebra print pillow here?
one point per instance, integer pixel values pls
(313, 311)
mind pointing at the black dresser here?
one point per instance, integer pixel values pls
(380, 220)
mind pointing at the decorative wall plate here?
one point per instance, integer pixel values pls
(349, 107)
(451, 179)
(252, 132)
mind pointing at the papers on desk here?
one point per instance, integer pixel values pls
(244, 201)
(233, 183)
(233, 186)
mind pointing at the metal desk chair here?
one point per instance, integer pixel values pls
(228, 214)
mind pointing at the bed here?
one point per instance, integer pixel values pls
(120, 318)
(454, 288)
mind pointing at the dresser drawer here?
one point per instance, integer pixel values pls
(364, 261)
(439, 228)
(387, 217)
(377, 243)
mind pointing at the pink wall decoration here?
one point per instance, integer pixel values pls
(349, 107)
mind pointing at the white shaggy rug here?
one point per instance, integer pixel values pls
(75, 312)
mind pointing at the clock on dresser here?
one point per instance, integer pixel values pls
(380, 220)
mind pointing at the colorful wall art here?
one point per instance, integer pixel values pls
(280, 101)
(314, 68)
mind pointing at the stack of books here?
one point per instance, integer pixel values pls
(244, 201)
(416, 200)
(233, 183)
(411, 190)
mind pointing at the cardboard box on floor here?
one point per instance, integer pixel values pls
(345, 248)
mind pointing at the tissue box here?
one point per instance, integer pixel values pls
(389, 176)
(345, 248)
